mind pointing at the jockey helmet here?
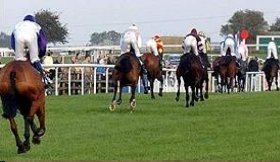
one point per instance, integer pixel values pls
(193, 31)
(230, 35)
(133, 27)
(29, 18)
(156, 37)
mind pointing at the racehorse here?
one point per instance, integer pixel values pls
(226, 67)
(241, 75)
(151, 63)
(127, 71)
(21, 88)
(190, 68)
(205, 78)
(253, 65)
(270, 68)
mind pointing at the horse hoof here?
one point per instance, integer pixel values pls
(177, 99)
(119, 101)
(26, 145)
(36, 140)
(41, 132)
(133, 104)
(206, 96)
(192, 103)
(21, 150)
(202, 99)
(187, 105)
(153, 97)
(146, 92)
(112, 107)
(160, 94)
(196, 99)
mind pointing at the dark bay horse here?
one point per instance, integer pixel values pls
(126, 73)
(205, 78)
(226, 68)
(152, 65)
(270, 69)
(253, 65)
(21, 88)
(190, 68)
(241, 75)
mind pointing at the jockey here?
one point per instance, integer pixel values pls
(202, 37)
(132, 41)
(193, 43)
(155, 46)
(229, 42)
(243, 50)
(28, 34)
(272, 50)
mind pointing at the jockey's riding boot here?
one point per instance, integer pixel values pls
(143, 69)
(37, 65)
(200, 59)
(237, 65)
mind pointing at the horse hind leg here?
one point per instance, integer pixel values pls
(26, 143)
(161, 86)
(276, 83)
(13, 126)
(152, 88)
(178, 87)
(132, 100)
(119, 101)
(112, 107)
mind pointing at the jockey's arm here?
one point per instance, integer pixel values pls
(42, 43)
(139, 41)
(13, 44)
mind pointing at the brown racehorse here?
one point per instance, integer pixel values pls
(127, 71)
(226, 67)
(270, 69)
(21, 88)
(205, 77)
(151, 63)
(190, 68)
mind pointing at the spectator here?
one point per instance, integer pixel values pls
(48, 60)
(75, 59)
(88, 70)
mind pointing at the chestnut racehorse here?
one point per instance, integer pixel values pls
(152, 65)
(21, 88)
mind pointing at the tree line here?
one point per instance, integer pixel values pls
(56, 32)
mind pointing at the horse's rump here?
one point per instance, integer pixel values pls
(20, 84)
(189, 63)
(226, 60)
(152, 65)
(124, 63)
(270, 64)
(253, 66)
(127, 69)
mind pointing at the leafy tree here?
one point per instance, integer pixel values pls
(105, 38)
(251, 20)
(5, 40)
(52, 27)
(276, 25)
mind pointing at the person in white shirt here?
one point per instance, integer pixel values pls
(243, 50)
(272, 50)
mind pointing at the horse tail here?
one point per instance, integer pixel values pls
(13, 81)
(9, 99)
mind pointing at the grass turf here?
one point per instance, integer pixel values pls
(241, 126)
